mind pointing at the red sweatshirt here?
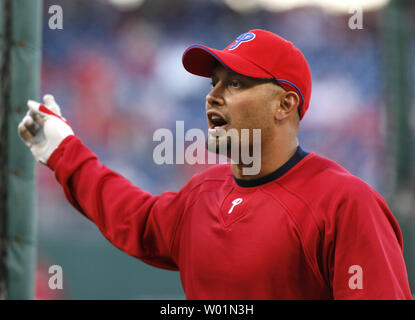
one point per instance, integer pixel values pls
(309, 230)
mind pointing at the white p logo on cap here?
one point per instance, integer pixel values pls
(244, 37)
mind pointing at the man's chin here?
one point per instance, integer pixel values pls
(219, 145)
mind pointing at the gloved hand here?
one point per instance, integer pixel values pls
(43, 128)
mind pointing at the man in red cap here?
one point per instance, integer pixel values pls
(301, 228)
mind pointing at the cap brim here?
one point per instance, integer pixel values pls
(200, 60)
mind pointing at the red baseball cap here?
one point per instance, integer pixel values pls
(258, 54)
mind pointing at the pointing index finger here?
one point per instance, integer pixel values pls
(33, 105)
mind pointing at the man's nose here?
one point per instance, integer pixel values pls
(214, 97)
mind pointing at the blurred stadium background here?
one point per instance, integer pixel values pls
(115, 69)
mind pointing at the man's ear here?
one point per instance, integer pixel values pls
(289, 103)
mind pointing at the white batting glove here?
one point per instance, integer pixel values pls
(43, 128)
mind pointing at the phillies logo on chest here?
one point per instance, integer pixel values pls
(235, 203)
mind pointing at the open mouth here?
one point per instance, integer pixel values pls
(216, 120)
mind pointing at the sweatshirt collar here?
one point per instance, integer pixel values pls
(296, 158)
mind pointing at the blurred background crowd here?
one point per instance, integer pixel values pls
(118, 77)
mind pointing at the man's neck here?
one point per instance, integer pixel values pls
(273, 156)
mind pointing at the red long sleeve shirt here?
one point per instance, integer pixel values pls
(310, 230)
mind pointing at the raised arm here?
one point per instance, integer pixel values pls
(133, 220)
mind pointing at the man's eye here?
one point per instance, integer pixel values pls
(235, 83)
(213, 84)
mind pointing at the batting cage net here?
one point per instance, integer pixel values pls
(20, 75)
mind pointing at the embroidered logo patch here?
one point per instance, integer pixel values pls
(235, 203)
(244, 37)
